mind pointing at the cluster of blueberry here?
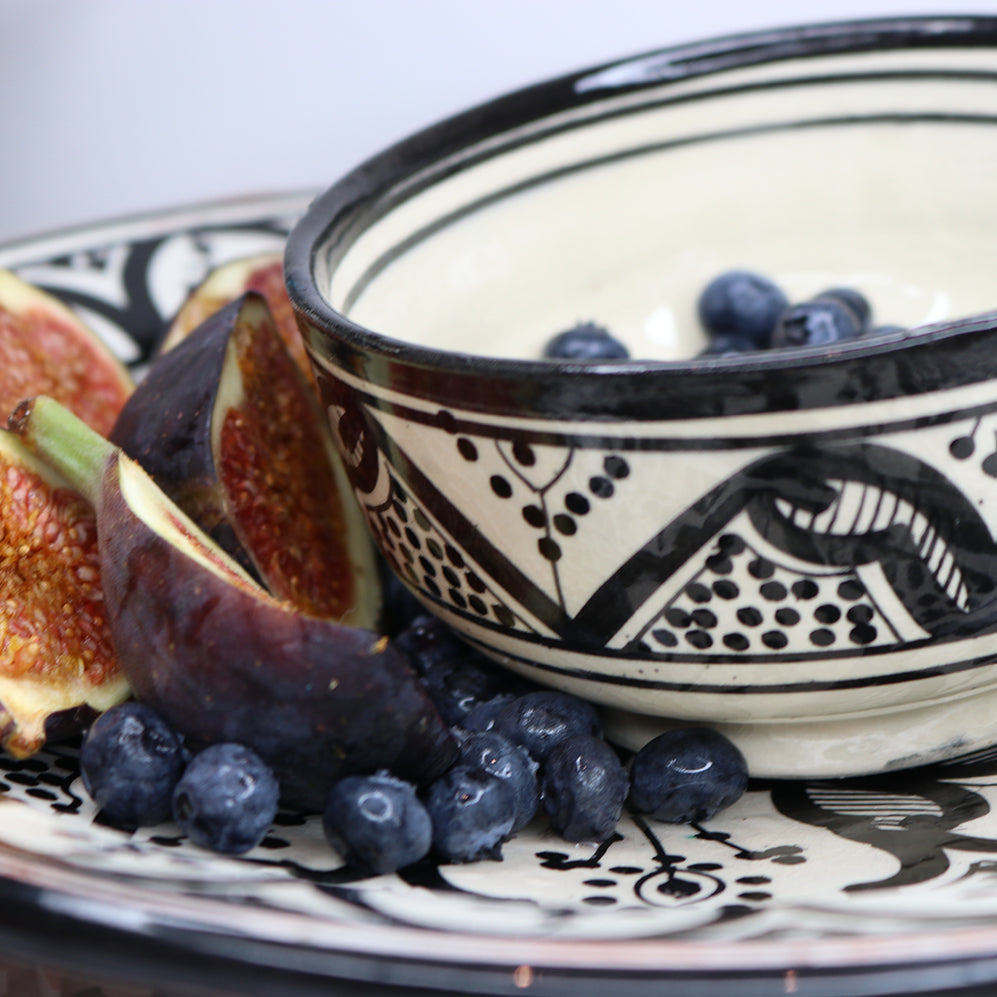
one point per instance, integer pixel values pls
(742, 312)
(138, 770)
(524, 751)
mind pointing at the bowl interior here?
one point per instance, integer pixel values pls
(870, 169)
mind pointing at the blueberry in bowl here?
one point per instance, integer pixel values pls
(784, 542)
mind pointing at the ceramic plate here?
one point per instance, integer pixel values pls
(882, 885)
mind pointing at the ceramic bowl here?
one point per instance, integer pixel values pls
(796, 547)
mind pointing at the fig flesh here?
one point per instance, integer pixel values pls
(222, 660)
(226, 426)
(57, 662)
(46, 349)
(264, 274)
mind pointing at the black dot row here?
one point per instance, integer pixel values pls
(751, 616)
(775, 640)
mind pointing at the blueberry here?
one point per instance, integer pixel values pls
(687, 774)
(814, 323)
(742, 304)
(499, 757)
(855, 302)
(539, 720)
(585, 341)
(482, 716)
(226, 800)
(472, 814)
(130, 761)
(726, 344)
(457, 677)
(377, 823)
(583, 787)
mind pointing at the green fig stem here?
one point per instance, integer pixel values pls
(64, 442)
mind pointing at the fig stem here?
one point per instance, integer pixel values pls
(65, 442)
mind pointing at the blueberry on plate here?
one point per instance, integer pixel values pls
(457, 677)
(539, 720)
(377, 823)
(743, 305)
(226, 799)
(482, 716)
(498, 756)
(583, 788)
(585, 341)
(472, 814)
(131, 760)
(687, 774)
(814, 323)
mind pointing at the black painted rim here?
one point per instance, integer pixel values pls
(632, 389)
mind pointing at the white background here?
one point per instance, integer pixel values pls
(111, 107)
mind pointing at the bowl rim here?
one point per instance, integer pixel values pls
(339, 213)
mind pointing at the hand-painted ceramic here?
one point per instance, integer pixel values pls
(862, 886)
(799, 548)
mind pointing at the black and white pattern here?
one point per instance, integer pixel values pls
(881, 857)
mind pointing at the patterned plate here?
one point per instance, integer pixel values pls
(875, 885)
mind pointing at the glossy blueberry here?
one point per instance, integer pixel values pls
(687, 774)
(727, 345)
(854, 301)
(483, 716)
(540, 720)
(585, 341)
(742, 304)
(377, 823)
(131, 760)
(583, 787)
(499, 757)
(226, 800)
(472, 814)
(456, 676)
(814, 323)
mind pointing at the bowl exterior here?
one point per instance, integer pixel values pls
(799, 550)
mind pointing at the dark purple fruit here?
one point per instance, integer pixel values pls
(687, 774)
(219, 658)
(542, 719)
(226, 424)
(377, 823)
(587, 342)
(130, 762)
(583, 787)
(814, 323)
(472, 813)
(226, 799)
(741, 306)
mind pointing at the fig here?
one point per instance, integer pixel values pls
(58, 668)
(225, 425)
(220, 658)
(263, 273)
(46, 349)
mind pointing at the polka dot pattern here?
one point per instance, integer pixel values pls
(418, 552)
(742, 601)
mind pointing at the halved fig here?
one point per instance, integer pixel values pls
(264, 274)
(226, 426)
(218, 657)
(57, 662)
(46, 348)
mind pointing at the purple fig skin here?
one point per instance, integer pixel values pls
(316, 700)
(219, 658)
(166, 427)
